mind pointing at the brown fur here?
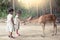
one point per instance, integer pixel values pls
(46, 18)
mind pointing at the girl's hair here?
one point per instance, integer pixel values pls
(19, 12)
(10, 10)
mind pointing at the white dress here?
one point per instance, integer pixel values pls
(10, 26)
(16, 22)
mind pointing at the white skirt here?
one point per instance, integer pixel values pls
(16, 26)
(10, 27)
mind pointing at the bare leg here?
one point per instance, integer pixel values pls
(17, 32)
(10, 35)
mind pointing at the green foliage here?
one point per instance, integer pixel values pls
(3, 8)
(25, 12)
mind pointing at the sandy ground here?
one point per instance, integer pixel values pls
(31, 32)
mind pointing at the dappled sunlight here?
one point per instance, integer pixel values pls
(33, 3)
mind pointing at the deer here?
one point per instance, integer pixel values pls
(48, 18)
(43, 19)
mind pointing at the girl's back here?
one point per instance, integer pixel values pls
(9, 16)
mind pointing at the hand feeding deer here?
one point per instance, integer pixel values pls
(47, 18)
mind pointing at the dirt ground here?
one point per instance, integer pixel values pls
(31, 32)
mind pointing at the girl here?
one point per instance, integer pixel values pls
(10, 22)
(17, 22)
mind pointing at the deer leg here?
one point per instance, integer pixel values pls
(55, 29)
(43, 26)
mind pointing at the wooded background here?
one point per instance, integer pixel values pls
(31, 11)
